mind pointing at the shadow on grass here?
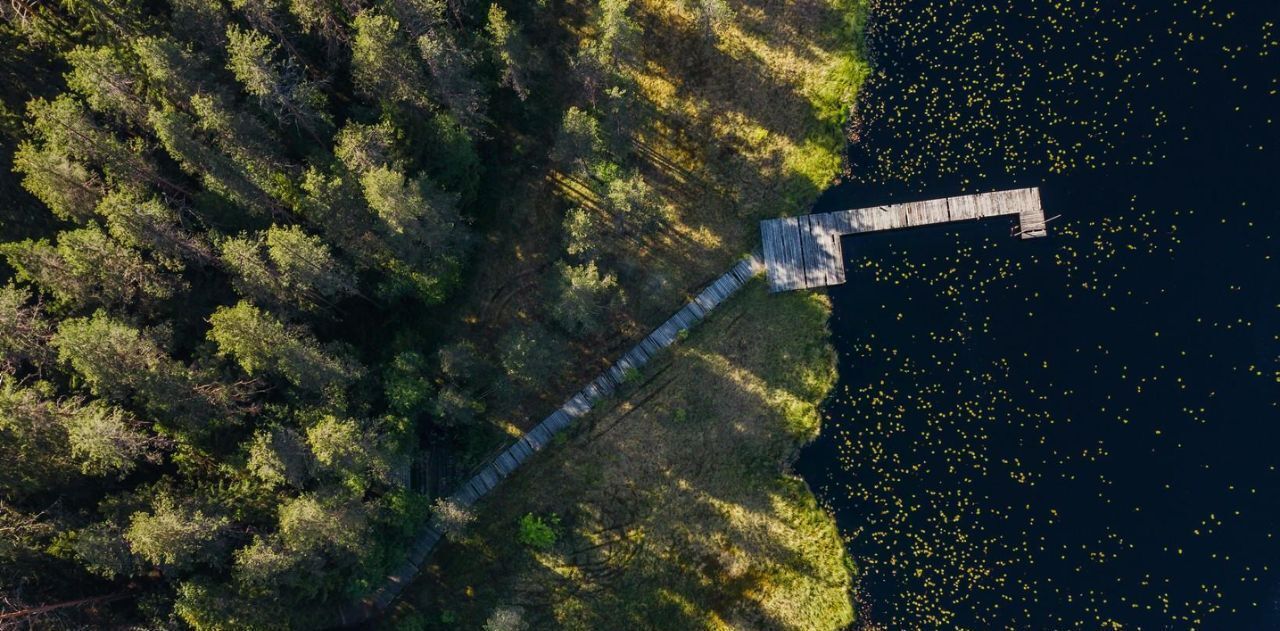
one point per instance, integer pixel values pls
(674, 509)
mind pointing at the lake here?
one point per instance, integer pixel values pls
(1078, 431)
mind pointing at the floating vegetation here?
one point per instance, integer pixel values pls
(972, 91)
(1068, 433)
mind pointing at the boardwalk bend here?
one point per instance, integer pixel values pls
(804, 252)
(798, 253)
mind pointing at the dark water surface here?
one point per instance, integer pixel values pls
(1081, 431)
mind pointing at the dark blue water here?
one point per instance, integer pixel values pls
(1079, 431)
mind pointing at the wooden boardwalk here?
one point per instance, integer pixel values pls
(799, 252)
(500, 466)
(804, 252)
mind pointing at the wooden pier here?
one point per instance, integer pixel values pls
(804, 252)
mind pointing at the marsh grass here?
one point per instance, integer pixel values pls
(730, 126)
(675, 510)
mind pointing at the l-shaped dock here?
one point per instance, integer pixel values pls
(804, 252)
(799, 252)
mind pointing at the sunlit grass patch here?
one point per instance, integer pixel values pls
(674, 508)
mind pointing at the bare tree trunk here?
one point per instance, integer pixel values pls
(9, 619)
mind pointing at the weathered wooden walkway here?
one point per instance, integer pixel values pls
(804, 252)
(799, 252)
(500, 466)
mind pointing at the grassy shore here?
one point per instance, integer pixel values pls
(727, 126)
(669, 504)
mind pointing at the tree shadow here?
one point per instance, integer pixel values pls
(673, 506)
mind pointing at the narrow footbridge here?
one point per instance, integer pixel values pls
(799, 253)
(804, 252)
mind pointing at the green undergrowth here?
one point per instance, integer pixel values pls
(669, 506)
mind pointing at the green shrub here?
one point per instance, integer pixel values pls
(538, 533)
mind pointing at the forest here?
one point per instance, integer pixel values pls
(277, 273)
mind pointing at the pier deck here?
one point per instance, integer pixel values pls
(804, 252)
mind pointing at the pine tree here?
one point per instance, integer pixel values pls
(69, 189)
(512, 51)
(617, 34)
(105, 440)
(263, 345)
(88, 268)
(109, 86)
(381, 64)
(582, 294)
(175, 535)
(280, 86)
(287, 267)
(24, 331)
(33, 443)
(148, 224)
(362, 148)
(280, 456)
(64, 127)
(578, 144)
(121, 363)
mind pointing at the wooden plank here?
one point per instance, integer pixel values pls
(511, 461)
(520, 451)
(604, 385)
(680, 320)
(704, 300)
(837, 249)
(592, 393)
(986, 206)
(840, 221)
(638, 356)
(832, 246)
(794, 262)
(935, 211)
(820, 275)
(914, 212)
(485, 480)
(786, 257)
(696, 306)
(530, 442)
(770, 251)
(465, 497)
(858, 220)
(690, 316)
(810, 254)
(539, 436)
(961, 208)
(650, 346)
(560, 420)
